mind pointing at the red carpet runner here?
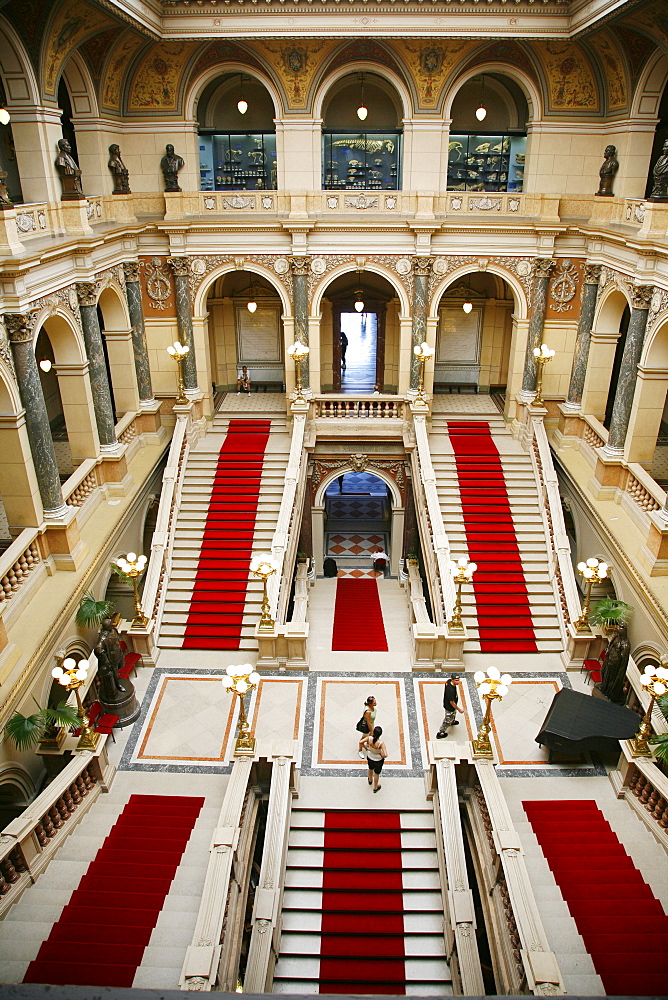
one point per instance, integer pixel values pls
(502, 601)
(358, 618)
(622, 923)
(101, 935)
(362, 878)
(219, 595)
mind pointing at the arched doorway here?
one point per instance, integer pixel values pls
(358, 523)
(242, 336)
(608, 329)
(237, 150)
(360, 333)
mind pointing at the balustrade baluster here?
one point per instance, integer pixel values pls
(42, 838)
(646, 792)
(75, 793)
(650, 805)
(81, 785)
(18, 860)
(88, 779)
(56, 821)
(62, 809)
(8, 870)
(4, 886)
(69, 802)
(659, 806)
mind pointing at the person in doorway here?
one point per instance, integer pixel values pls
(380, 560)
(369, 716)
(339, 480)
(344, 348)
(451, 706)
(376, 752)
(243, 381)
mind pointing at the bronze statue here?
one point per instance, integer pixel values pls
(660, 174)
(5, 200)
(109, 660)
(609, 168)
(70, 174)
(170, 165)
(613, 674)
(119, 170)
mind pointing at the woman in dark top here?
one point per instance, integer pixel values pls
(450, 704)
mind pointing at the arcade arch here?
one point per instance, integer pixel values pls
(647, 437)
(607, 329)
(118, 351)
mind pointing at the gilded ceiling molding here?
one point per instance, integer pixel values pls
(156, 81)
(71, 24)
(118, 63)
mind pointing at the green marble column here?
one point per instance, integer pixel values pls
(184, 319)
(300, 272)
(19, 330)
(99, 381)
(581, 356)
(641, 296)
(421, 273)
(139, 349)
(536, 321)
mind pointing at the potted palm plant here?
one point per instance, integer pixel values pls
(610, 613)
(26, 731)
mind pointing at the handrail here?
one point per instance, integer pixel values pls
(441, 545)
(300, 602)
(416, 597)
(286, 537)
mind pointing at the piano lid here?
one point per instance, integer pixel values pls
(575, 716)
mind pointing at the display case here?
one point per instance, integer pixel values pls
(361, 160)
(237, 161)
(480, 161)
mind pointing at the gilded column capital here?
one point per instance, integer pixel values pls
(131, 269)
(544, 267)
(19, 327)
(641, 296)
(592, 275)
(301, 266)
(179, 266)
(422, 266)
(87, 293)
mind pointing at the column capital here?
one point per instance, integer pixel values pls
(87, 293)
(179, 266)
(301, 266)
(422, 266)
(544, 266)
(592, 275)
(641, 296)
(19, 326)
(131, 269)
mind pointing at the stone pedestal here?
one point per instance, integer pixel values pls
(126, 706)
(113, 471)
(10, 244)
(567, 434)
(122, 209)
(75, 218)
(578, 647)
(62, 541)
(141, 640)
(655, 222)
(654, 553)
(607, 478)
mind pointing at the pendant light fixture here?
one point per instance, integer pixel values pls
(4, 116)
(468, 305)
(242, 103)
(481, 111)
(251, 305)
(362, 111)
(45, 365)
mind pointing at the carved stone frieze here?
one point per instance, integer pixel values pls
(361, 463)
(521, 267)
(203, 265)
(396, 264)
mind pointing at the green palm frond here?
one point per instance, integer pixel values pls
(91, 612)
(123, 577)
(63, 716)
(25, 731)
(610, 611)
(660, 746)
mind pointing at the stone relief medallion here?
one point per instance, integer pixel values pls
(238, 202)
(390, 202)
(209, 204)
(281, 265)
(456, 204)
(198, 266)
(332, 202)
(656, 302)
(158, 285)
(318, 265)
(639, 213)
(440, 265)
(564, 284)
(267, 202)
(362, 202)
(513, 204)
(403, 266)
(523, 268)
(484, 204)
(25, 223)
(72, 299)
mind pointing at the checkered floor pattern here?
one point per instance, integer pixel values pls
(355, 544)
(356, 509)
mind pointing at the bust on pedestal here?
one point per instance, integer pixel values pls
(70, 174)
(609, 168)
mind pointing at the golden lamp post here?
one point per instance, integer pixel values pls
(178, 352)
(298, 352)
(133, 566)
(462, 572)
(423, 352)
(239, 679)
(655, 681)
(542, 354)
(592, 571)
(493, 686)
(265, 566)
(72, 675)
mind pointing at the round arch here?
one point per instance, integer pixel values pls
(10, 400)
(513, 282)
(61, 329)
(329, 77)
(650, 87)
(522, 79)
(197, 86)
(80, 86)
(199, 305)
(16, 69)
(655, 350)
(14, 774)
(610, 308)
(113, 305)
(350, 266)
(329, 478)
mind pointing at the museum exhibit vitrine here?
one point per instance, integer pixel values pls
(483, 162)
(367, 160)
(237, 161)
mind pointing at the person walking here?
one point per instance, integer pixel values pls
(451, 706)
(376, 752)
(344, 348)
(368, 716)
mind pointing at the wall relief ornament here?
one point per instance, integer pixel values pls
(238, 202)
(390, 262)
(278, 265)
(87, 293)
(361, 201)
(158, 285)
(6, 351)
(19, 326)
(563, 286)
(485, 204)
(131, 269)
(281, 265)
(641, 296)
(361, 463)
(658, 308)
(544, 267)
(592, 274)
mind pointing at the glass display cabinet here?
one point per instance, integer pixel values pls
(479, 161)
(237, 161)
(361, 160)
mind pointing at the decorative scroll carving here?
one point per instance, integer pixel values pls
(485, 204)
(544, 267)
(158, 285)
(361, 463)
(238, 202)
(301, 266)
(87, 293)
(564, 285)
(422, 266)
(179, 266)
(362, 201)
(6, 353)
(592, 274)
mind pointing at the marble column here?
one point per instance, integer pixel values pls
(140, 351)
(536, 320)
(19, 330)
(421, 273)
(99, 381)
(184, 320)
(301, 267)
(641, 296)
(581, 356)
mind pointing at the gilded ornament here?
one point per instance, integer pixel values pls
(564, 285)
(158, 285)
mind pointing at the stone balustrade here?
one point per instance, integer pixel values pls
(82, 484)
(365, 407)
(20, 565)
(645, 788)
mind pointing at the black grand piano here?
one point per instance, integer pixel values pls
(577, 722)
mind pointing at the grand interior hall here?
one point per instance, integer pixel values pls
(333, 498)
